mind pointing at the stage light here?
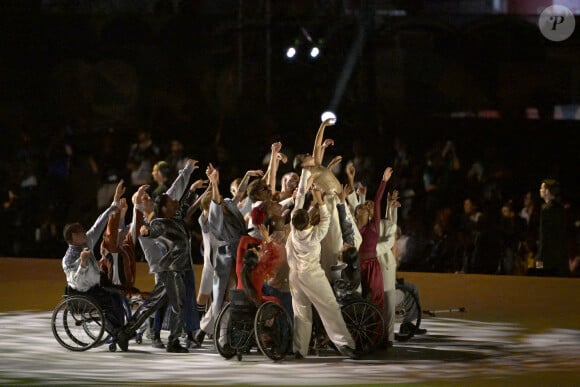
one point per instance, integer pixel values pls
(290, 52)
(328, 115)
(314, 52)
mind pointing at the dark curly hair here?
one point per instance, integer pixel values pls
(250, 261)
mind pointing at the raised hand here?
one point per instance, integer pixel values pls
(276, 147)
(124, 207)
(346, 190)
(328, 142)
(137, 197)
(264, 232)
(144, 230)
(333, 162)
(387, 174)
(329, 121)
(350, 170)
(119, 191)
(393, 199)
(209, 170)
(255, 172)
(198, 184)
(85, 256)
(193, 163)
(213, 175)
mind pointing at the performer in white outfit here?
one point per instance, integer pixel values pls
(388, 262)
(308, 283)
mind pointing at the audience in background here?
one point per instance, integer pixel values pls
(441, 230)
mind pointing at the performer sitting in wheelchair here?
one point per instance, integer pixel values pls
(256, 260)
(82, 270)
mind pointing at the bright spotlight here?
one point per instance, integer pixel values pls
(314, 52)
(290, 53)
(328, 115)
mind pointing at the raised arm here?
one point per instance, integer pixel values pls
(189, 214)
(379, 196)
(214, 178)
(137, 219)
(243, 187)
(94, 233)
(321, 229)
(334, 162)
(179, 186)
(346, 227)
(318, 151)
(303, 186)
(392, 205)
(111, 236)
(270, 175)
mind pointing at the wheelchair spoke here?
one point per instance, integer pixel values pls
(77, 323)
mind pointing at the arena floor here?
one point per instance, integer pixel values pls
(501, 339)
(455, 351)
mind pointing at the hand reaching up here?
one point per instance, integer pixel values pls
(198, 184)
(387, 174)
(119, 191)
(193, 163)
(346, 190)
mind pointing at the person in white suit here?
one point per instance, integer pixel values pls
(308, 283)
(388, 261)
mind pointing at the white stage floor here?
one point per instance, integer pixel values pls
(454, 351)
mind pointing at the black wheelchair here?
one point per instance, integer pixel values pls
(364, 320)
(241, 325)
(79, 323)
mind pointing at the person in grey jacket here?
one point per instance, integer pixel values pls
(167, 248)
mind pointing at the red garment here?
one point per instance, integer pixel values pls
(371, 276)
(269, 262)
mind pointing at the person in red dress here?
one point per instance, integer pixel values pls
(257, 259)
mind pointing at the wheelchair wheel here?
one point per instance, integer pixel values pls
(232, 336)
(273, 330)
(408, 302)
(78, 323)
(366, 324)
(221, 335)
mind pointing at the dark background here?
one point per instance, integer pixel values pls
(213, 74)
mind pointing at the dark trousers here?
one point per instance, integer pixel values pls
(191, 314)
(170, 289)
(111, 302)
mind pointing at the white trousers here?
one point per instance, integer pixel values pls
(313, 288)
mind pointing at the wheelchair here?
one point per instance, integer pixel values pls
(241, 325)
(364, 320)
(407, 310)
(78, 322)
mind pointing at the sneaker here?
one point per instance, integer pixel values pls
(348, 351)
(157, 343)
(175, 347)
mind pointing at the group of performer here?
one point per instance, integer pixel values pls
(276, 241)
